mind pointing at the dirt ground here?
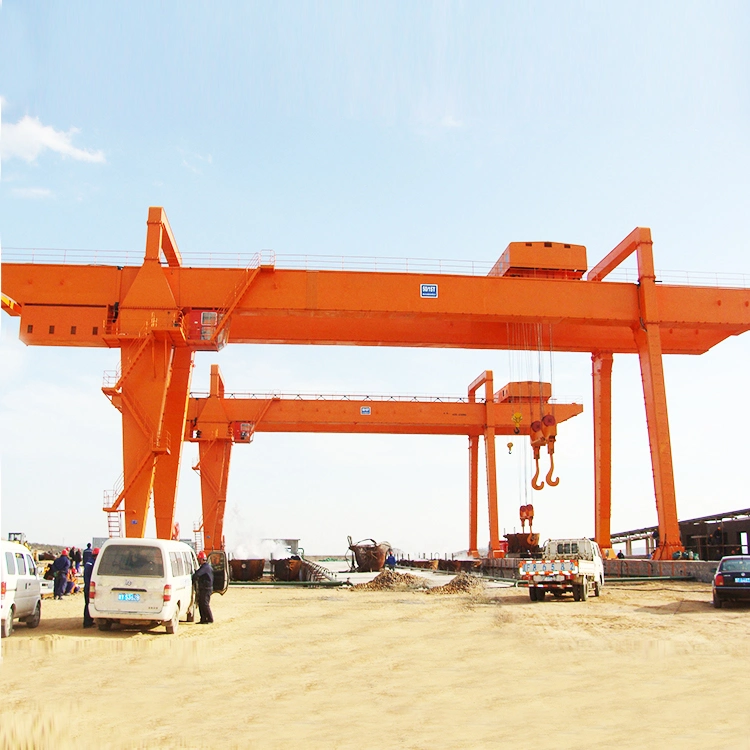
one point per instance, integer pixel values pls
(645, 665)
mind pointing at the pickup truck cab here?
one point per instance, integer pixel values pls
(20, 587)
(567, 565)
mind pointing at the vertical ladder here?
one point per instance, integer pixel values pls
(198, 535)
(114, 523)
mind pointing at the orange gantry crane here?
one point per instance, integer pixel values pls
(159, 313)
(218, 420)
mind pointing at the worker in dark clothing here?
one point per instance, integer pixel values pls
(60, 567)
(87, 554)
(88, 567)
(390, 561)
(203, 579)
(76, 559)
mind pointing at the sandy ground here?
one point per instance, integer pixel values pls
(650, 665)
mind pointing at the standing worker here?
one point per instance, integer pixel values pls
(203, 578)
(88, 567)
(60, 568)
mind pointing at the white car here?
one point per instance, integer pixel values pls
(144, 582)
(20, 588)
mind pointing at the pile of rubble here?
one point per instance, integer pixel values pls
(461, 584)
(390, 581)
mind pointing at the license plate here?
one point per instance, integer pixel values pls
(742, 580)
(129, 597)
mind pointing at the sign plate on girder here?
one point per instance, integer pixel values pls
(365, 411)
(430, 291)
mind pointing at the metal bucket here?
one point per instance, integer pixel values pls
(288, 569)
(246, 570)
(370, 557)
(450, 566)
(467, 566)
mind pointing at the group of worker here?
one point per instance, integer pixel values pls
(65, 568)
(63, 571)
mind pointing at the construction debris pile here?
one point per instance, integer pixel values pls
(461, 584)
(390, 581)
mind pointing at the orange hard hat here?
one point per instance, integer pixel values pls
(96, 550)
(64, 552)
(201, 555)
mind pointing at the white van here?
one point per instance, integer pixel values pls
(145, 582)
(20, 587)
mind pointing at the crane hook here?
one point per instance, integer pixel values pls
(550, 481)
(510, 448)
(534, 483)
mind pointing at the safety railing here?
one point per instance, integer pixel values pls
(262, 395)
(376, 264)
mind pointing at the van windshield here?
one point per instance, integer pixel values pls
(131, 560)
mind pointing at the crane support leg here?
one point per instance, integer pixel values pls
(168, 464)
(485, 379)
(473, 494)
(648, 341)
(601, 371)
(489, 447)
(214, 471)
(652, 374)
(143, 395)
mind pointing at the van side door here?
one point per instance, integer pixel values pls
(24, 596)
(220, 566)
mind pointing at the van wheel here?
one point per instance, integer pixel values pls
(577, 592)
(174, 623)
(104, 624)
(540, 593)
(33, 620)
(7, 624)
(532, 593)
(584, 589)
(717, 602)
(597, 589)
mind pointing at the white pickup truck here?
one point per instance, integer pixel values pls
(567, 565)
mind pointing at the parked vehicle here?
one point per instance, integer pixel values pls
(732, 580)
(145, 582)
(20, 588)
(567, 565)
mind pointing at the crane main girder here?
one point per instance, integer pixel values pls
(380, 309)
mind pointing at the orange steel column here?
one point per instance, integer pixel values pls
(473, 492)
(486, 379)
(147, 328)
(214, 470)
(143, 393)
(489, 447)
(168, 464)
(601, 371)
(648, 340)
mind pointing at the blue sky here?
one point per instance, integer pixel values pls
(432, 130)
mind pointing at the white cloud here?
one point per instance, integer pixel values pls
(193, 161)
(28, 138)
(451, 123)
(32, 192)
